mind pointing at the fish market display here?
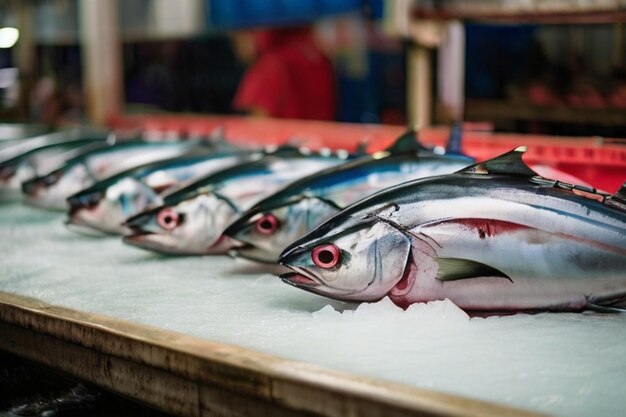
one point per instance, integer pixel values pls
(492, 237)
(281, 218)
(193, 219)
(108, 203)
(52, 190)
(42, 160)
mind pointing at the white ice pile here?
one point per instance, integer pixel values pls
(561, 364)
(444, 311)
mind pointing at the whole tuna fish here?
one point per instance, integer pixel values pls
(52, 190)
(281, 218)
(42, 160)
(108, 203)
(492, 237)
(193, 219)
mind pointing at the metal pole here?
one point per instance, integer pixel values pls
(102, 66)
(419, 105)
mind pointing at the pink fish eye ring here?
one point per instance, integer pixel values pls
(326, 256)
(267, 224)
(168, 219)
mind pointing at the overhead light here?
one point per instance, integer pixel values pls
(8, 37)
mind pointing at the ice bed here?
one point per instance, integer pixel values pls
(64, 295)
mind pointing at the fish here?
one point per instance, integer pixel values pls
(40, 161)
(493, 237)
(106, 205)
(192, 220)
(17, 147)
(52, 190)
(273, 223)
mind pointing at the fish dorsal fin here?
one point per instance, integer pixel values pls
(361, 148)
(407, 142)
(621, 193)
(455, 139)
(509, 163)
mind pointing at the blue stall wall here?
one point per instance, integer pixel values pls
(379, 97)
(495, 56)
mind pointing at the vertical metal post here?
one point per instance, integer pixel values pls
(419, 82)
(24, 54)
(101, 56)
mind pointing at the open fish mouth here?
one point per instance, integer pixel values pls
(76, 224)
(145, 240)
(299, 281)
(253, 253)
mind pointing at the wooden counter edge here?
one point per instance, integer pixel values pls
(208, 370)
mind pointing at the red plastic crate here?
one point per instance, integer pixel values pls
(601, 163)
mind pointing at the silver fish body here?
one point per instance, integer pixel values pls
(42, 160)
(108, 204)
(487, 241)
(280, 219)
(15, 148)
(52, 190)
(192, 220)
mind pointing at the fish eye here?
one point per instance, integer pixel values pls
(51, 178)
(267, 224)
(91, 200)
(326, 256)
(168, 219)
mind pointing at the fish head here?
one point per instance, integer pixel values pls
(192, 226)
(53, 189)
(266, 231)
(106, 206)
(359, 261)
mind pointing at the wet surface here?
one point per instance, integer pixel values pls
(29, 389)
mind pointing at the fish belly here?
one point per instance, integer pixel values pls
(543, 270)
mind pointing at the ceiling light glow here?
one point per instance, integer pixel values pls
(8, 37)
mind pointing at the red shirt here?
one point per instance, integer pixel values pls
(291, 78)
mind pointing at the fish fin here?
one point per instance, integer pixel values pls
(452, 269)
(455, 139)
(604, 309)
(361, 148)
(510, 163)
(407, 142)
(621, 193)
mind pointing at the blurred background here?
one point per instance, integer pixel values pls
(542, 67)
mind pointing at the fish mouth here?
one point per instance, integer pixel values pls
(79, 219)
(299, 281)
(166, 245)
(31, 188)
(145, 240)
(77, 224)
(305, 280)
(253, 253)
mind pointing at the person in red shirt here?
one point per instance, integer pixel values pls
(290, 78)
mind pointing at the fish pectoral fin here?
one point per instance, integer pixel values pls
(604, 309)
(613, 303)
(621, 193)
(452, 269)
